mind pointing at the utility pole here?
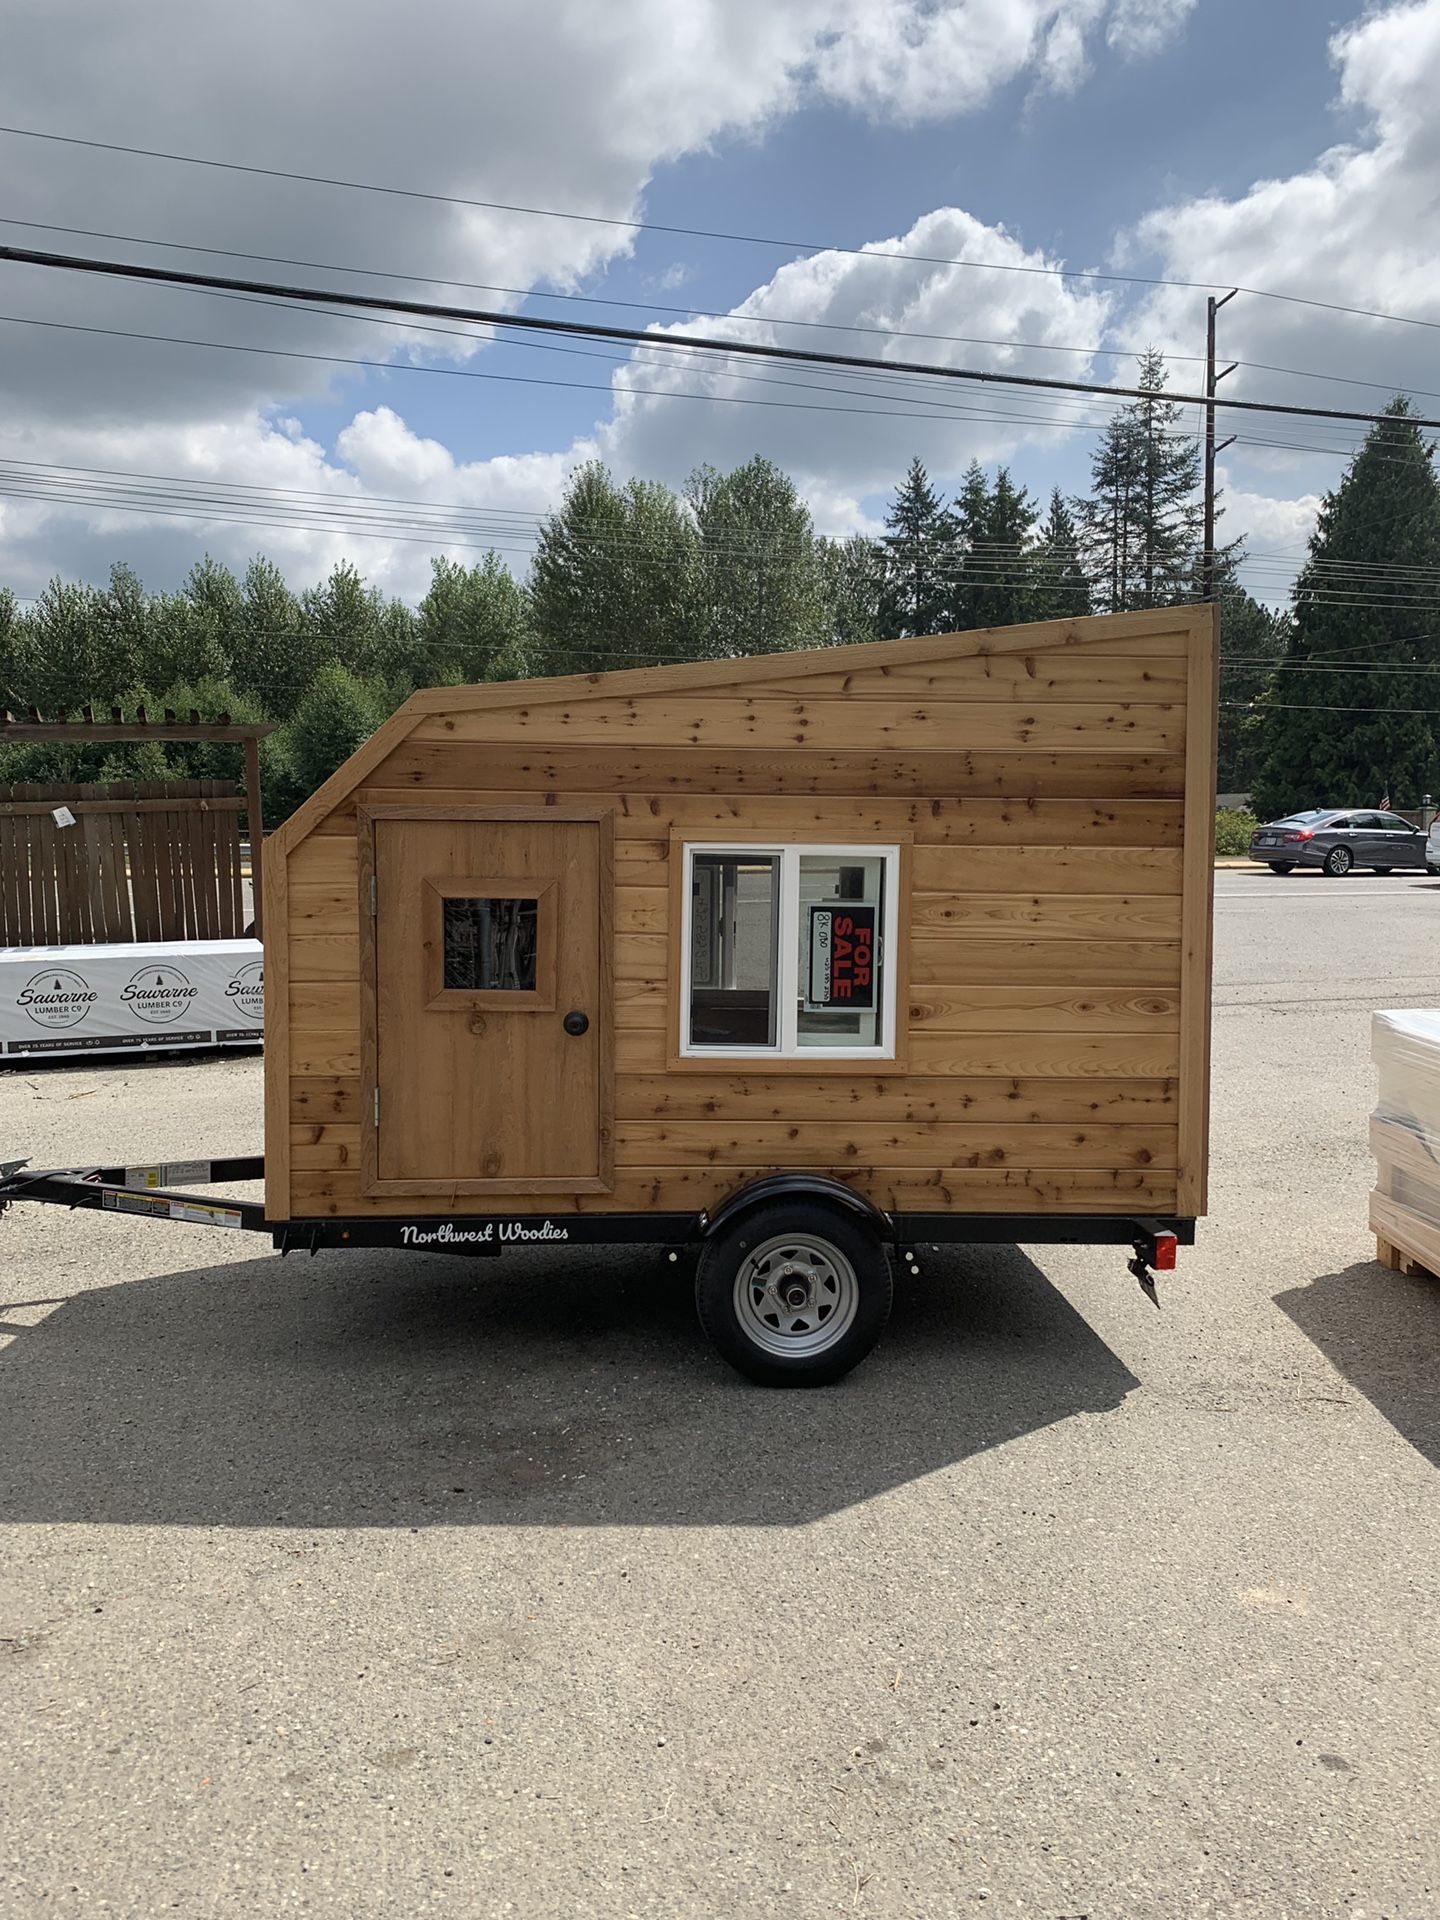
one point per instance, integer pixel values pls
(1212, 380)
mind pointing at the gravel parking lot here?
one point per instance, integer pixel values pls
(386, 1585)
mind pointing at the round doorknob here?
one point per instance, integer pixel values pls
(577, 1023)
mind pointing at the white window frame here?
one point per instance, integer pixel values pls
(787, 985)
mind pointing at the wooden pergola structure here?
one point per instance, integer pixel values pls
(89, 729)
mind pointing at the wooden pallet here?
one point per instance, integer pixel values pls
(1398, 1261)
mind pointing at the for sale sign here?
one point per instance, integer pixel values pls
(841, 961)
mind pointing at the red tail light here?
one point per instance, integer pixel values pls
(1165, 1245)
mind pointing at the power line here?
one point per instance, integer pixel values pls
(120, 490)
(217, 490)
(599, 300)
(807, 356)
(986, 564)
(511, 379)
(1375, 713)
(656, 357)
(954, 409)
(217, 487)
(336, 525)
(691, 313)
(699, 233)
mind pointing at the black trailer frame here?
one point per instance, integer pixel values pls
(159, 1192)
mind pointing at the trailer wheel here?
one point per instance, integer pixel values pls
(794, 1294)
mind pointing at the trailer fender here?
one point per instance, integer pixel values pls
(796, 1186)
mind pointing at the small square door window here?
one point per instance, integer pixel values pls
(490, 945)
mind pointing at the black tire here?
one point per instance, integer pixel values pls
(1338, 862)
(1434, 870)
(833, 1257)
(1282, 866)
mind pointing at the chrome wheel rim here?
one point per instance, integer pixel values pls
(796, 1295)
(1340, 860)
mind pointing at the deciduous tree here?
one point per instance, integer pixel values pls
(757, 583)
(612, 579)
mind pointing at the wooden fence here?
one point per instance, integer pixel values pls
(145, 860)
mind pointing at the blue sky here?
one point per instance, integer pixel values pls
(830, 174)
(1190, 139)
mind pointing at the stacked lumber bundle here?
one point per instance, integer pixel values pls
(1405, 1139)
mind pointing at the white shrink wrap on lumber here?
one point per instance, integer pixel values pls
(1405, 1129)
(1405, 1047)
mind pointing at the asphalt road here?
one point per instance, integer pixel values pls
(383, 1586)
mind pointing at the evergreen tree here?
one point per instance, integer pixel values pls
(920, 558)
(971, 563)
(1062, 587)
(1107, 516)
(1141, 526)
(1331, 737)
(612, 579)
(1252, 637)
(999, 575)
(757, 587)
(1168, 509)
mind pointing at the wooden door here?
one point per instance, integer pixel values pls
(490, 1050)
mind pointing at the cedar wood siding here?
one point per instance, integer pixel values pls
(1053, 789)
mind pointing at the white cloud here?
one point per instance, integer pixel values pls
(1273, 528)
(384, 452)
(934, 61)
(927, 62)
(625, 91)
(1142, 27)
(843, 435)
(1063, 62)
(1353, 230)
(559, 103)
(409, 489)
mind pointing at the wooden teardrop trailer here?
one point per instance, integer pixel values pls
(795, 955)
(806, 960)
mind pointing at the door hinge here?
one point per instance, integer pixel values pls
(377, 1106)
(374, 896)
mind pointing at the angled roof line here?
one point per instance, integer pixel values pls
(750, 669)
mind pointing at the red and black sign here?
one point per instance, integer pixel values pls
(841, 962)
